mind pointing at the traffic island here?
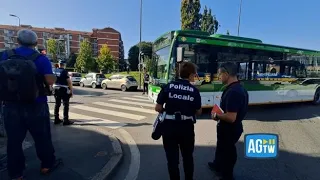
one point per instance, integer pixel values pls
(88, 152)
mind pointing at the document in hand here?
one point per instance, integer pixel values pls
(216, 109)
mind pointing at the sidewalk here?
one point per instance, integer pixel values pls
(88, 153)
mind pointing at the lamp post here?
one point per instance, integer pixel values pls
(239, 20)
(140, 44)
(13, 15)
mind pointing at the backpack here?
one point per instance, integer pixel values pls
(19, 79)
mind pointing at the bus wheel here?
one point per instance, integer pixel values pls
(316, 99)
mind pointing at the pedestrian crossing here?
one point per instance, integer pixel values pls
(112, 113)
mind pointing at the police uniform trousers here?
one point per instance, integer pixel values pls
(226, 152)
(179, 135)
(61, 95)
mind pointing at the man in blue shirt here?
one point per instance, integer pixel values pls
(33, 117)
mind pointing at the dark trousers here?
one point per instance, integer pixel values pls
(226, 153)
(175, 135)
(20, 118)
(61, 95)
(145, 87)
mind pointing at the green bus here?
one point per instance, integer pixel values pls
(270, 73)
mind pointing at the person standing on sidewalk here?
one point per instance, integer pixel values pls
(25, 103)
(62, 92)
(234, 103)
(182, 102)
(146, 79)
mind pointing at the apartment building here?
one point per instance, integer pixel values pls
(70, 39)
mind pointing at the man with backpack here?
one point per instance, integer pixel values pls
(25, 75)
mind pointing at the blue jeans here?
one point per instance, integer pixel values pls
(20, 118)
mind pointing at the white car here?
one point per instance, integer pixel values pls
(75, 78)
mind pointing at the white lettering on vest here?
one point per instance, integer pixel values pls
(182, 97)
(181, 87)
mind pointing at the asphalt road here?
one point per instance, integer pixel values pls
(296, 124)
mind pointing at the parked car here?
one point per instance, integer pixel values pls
(118, 81)
(75, 78)
(92, 79)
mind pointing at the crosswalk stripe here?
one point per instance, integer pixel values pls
(141, 97)
(83, 119)
(133, 103)
(136, 99)
(109, 112)
(136, 109)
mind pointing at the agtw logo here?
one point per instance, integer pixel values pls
(261, 145)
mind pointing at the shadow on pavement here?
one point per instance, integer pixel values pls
(277, 112)
(84, 92)
(84, 151)
(288, 166)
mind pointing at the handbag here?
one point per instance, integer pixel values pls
(157, 126)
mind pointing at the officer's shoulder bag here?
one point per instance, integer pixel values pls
(157, 126)
(19, 79)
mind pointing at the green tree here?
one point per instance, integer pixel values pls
(105, 60)
(190, 14)
(72, 60)
(52, 49)
(209, 23)
(85, 60)
(133, 55)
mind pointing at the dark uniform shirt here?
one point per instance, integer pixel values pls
(180, 96)
(146, 78)
(234, 99)
(62, 76)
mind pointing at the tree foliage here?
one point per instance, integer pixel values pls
(209, 23)
(192, 19)
(105, 60)
(190, 14)
(52, 49)
(133, 55)
(85, 60)
(72, 60)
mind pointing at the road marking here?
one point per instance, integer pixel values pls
(109, 112)
(141, 97)
(136, 99)
(83, 119)
(135, 156)
(133, 103)
(136, 109)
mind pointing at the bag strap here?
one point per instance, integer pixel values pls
(11, 52)
(34, 56)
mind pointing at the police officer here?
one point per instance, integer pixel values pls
(62, 92)
(234, 103)
(146, 79)
(182, 102)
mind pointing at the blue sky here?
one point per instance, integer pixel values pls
(284, 22)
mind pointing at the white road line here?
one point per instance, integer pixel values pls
(136, 109)
(83, 119)
(141, 97)
(135, 156)
(136, 99)
(109, 112)
(133, 103)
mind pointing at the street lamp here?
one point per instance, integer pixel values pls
(15, 17)
(140, 43)
(239, 20)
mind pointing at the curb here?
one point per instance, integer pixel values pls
(114, 161)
